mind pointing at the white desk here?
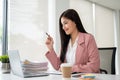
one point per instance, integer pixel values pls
(57, 77)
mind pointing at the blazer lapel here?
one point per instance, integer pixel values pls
(79, 49)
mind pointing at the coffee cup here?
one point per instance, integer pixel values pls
(66, 70)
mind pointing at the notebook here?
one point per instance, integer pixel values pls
(16, 66)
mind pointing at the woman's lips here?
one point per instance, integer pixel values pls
(66, 30)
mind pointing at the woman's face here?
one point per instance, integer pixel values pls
(68, 26)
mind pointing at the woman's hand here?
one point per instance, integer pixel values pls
(49, 42)
(60, 70)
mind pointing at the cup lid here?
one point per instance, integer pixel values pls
(66, 64)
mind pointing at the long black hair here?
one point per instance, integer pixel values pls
(72, 15)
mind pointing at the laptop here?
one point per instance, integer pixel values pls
(16, 66)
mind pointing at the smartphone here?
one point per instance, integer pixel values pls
(77, 75)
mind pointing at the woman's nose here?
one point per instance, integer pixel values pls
(63, 27)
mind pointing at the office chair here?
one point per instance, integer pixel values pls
(107, 60)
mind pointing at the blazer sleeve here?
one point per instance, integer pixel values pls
(93, 62)
(54, 60)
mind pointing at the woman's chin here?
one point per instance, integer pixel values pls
(67, 33)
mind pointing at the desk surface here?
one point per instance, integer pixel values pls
(57, 77)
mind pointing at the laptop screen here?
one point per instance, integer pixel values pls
(15, 62)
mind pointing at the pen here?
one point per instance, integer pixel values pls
(47, 34)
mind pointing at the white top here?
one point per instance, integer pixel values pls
(71, 51)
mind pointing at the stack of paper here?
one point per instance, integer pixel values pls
(34, 66)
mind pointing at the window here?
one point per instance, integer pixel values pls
(104, 26)
(97, 20)
(84, 8)
(1, 24)
(28, 23)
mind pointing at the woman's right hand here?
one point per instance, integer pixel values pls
(49, 42)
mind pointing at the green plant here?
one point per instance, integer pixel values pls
(4, 59)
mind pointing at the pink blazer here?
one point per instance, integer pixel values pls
(87, 57)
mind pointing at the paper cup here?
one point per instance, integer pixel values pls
(66, 70)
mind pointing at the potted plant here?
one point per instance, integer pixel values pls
(5, 63)
(4, 59)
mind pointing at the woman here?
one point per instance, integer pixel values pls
(77, 46)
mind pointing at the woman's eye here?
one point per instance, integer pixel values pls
(65, 23)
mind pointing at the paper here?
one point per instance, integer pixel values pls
(29, 66)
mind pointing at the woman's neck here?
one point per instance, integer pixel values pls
(74, 36)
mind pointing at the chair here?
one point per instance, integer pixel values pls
(107, 60)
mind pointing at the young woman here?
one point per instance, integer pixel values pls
(77, 46)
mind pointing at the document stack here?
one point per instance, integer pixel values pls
(34, 66)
